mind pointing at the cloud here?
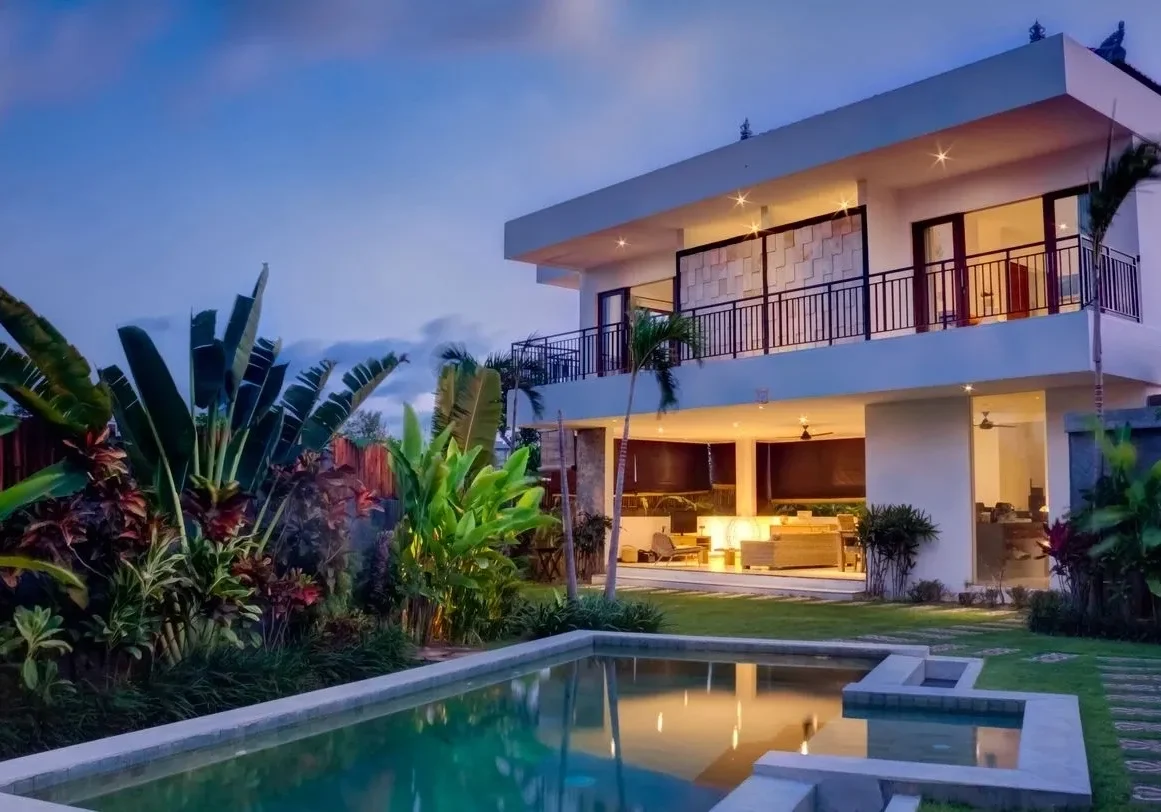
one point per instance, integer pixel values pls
(156, 324)
(262, 37)
(411, 383)
(50, 54)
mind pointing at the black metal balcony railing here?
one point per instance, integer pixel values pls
(1016, 283)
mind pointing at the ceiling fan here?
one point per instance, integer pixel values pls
(986, 424)
(806, 433)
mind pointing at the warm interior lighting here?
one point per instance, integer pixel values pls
(659, 724)
(660, 430)
(735, 743)
(739, 199)
(736, 424)
(622, 242)
(612, 748)
(941, 156)
(804, 749)
(844, 205)
(755, 228)
(967, 387)
(802, 420)
(685, 702)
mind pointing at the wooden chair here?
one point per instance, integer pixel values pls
(665, 550)
(852, 550)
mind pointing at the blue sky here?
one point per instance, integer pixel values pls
(153, 153)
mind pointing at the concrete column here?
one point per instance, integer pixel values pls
(745, 473)
(919, 452)
(593, 487)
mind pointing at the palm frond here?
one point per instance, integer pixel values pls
(457, 354)
(658, 343)
(64, 381)
(360, 381)
(1137, 163)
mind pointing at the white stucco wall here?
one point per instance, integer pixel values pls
(635, 271)
(919, 453)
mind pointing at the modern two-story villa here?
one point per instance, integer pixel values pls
(895, 300)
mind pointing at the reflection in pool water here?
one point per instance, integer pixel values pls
(599, 733)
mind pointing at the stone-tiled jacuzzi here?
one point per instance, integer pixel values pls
(637, 722)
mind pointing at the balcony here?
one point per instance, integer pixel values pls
(1021, 282)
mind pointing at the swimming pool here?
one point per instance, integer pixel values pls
(631, 731)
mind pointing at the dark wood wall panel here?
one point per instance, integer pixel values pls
(664, 466)
(812, 469)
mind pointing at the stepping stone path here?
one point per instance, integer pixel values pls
(1051, 657)
(1131, 682)
(996, 652)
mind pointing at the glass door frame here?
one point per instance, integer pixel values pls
(959, 275)
(611, 355)
(1051, 263)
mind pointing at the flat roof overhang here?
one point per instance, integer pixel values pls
(1036, 99)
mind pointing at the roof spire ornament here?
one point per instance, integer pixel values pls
(1036, 32)
(1113, 48)
(744, 131)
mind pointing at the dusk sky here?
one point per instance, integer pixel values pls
(154, 153)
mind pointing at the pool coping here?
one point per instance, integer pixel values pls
(1052, 764)
(118, 753)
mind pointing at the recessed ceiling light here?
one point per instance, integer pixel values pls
(660, 430)
(755, 228)
(739, 199)
(736, 424)
(760, 406)
(967, 387)
(941, 156)
(622, 242)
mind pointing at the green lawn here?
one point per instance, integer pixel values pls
(748, 617)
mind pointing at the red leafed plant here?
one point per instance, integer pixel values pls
(281, 596)
(1069, 548)
(100, 460)
(314, 533)
(219, 511)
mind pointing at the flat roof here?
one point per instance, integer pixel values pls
(1030, 75)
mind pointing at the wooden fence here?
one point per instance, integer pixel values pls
(32, 446)
(25, 451)
(372, 464)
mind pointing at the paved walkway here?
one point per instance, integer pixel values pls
(1133, 689)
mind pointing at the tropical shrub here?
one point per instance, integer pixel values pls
(591, 612)
(207, 682)
(927, 592)
(34, 635)
(891, 536)
(455, 528)
(1070, 549)
(1020, 596)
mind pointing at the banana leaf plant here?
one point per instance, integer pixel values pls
(237, 421)
(468, 403)
(455, 524)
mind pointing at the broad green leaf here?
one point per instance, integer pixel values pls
(30, 675)
(62, 391)
(59, 479)
(132, 425)
(1151, 538)
(1154, 586)
(168, 416)
(207, 359)
(8, 424)
(61, 575)
(242, 332)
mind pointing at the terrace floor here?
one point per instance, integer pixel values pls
(1118, 684)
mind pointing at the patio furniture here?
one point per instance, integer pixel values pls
(665, 550)
(852, 549)
(547, 562)
(786, 550)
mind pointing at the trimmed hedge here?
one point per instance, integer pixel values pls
(590, 612)
(1053, 612)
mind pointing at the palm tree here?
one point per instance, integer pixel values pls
(1120, 175)
(517, 373)
(654, 343)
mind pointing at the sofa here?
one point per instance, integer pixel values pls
(794, 547)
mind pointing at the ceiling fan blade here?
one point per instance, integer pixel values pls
(820, 433)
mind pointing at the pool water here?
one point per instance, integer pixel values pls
(600, 733)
